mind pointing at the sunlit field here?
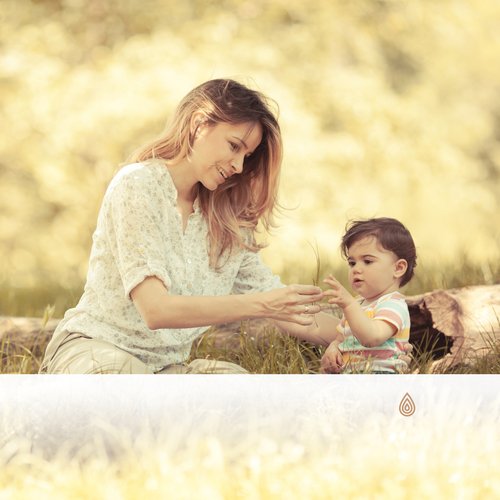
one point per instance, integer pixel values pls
(241, 437)
(414, 463)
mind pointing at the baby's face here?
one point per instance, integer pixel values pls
(372, 268)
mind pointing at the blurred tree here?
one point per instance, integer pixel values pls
(387, 108)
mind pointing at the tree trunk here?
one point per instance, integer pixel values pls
(453, 326)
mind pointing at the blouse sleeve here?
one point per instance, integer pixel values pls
(134, 229)
(254, 276)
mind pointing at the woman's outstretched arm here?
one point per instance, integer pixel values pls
(159, 309)
(322, 330)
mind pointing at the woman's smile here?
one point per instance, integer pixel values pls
(222, 172)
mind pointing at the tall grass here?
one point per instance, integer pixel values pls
(385, 458)
(17, 359)
(260, 349)
(33, 302)
(428, 276)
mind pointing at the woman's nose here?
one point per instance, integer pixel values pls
(237, 164)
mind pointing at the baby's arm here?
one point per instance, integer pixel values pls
(369, 332)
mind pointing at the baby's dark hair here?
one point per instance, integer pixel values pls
(390, 233)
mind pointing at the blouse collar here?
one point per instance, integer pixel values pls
(171, 189)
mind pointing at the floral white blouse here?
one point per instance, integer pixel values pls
(139, 234)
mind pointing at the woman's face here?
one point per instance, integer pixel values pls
(219, 151)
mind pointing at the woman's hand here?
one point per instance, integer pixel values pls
(294, 303)
(331, 362)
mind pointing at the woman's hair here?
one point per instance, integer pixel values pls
(234, 209)
(390, 233)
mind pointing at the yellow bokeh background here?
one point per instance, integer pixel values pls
(387, 108)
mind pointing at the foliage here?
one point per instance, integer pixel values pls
(387, 108)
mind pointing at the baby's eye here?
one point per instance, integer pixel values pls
(350, 263)
(366, 261)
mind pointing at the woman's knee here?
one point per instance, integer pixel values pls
(90, 356)
(214, 366)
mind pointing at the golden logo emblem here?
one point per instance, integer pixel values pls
(407, 406)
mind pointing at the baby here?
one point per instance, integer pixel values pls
(374, 327)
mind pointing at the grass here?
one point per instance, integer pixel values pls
(34, 301)
(17, 359)
(259, 348)
(266, 351)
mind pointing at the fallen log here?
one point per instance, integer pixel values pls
(458, 325)
(454, 326)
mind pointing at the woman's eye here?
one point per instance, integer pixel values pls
(234, 146)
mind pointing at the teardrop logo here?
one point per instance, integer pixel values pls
(407, 406)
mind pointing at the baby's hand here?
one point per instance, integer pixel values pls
(406, 356)
(331, 362)
(339, 295)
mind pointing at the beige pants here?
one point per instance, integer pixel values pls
(83, 355)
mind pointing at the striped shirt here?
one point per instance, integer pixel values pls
(357, 358)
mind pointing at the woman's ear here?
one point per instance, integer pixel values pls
(197, 119)
(400, 268)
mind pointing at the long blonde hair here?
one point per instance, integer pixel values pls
(235, 208)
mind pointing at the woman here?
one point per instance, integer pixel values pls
(174, 250)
